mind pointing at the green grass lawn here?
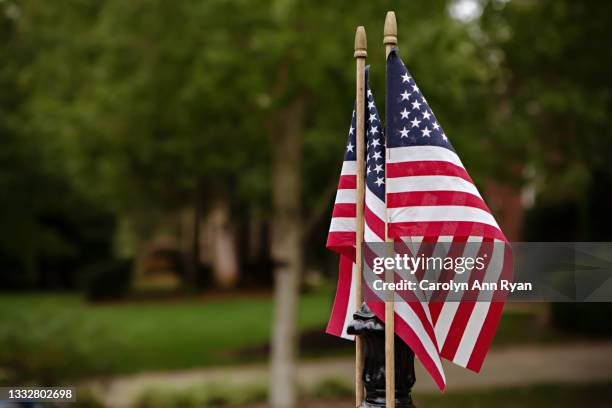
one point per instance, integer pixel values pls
(541, 396)
(166, 334)
(328, 394)
(63, 332)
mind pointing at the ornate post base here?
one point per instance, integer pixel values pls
(372, 332)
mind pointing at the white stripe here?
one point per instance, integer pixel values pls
(349, 168)
(405, 312)
(369, 235)
(342, 224)
(422, 153)
(479, 313)
(494, 270)
(430, 183)
(441, 213)
(350, 307)
(449, 308)
(375, 204)
(346, 196)
(471, 333)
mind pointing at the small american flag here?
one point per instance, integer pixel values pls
(429, 198)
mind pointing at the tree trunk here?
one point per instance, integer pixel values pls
(224, 255)
(286, 250)
(190, 232)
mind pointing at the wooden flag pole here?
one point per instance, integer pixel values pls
(360, 55)
(390, 41)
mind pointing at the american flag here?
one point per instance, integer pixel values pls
(341, 237)
(429, 199)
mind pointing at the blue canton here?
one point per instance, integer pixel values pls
(410, 120)
(375, 148)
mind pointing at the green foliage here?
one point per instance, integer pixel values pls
(210, 395)
(141, 103)
(143, 107)
(555, 89)
(87, 399)
(53, 346)
(331, 389)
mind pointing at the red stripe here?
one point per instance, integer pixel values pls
(344, 210)
(437, 228)
(339, 310)
(431, 198)
(375, 223)
(485, 337)
(456, 250)
(419, 310)
(342, 243)
(347, 182)
(465, 308)
(426, 168)
(492, 320)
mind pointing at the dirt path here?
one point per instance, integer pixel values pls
(577, 363)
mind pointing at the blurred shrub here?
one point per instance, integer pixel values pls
(107, 280)
(332, 389)
(86, 399)
(50, 347)
(211, 395)
(583, 318)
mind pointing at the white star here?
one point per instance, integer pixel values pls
(426, 115)
(379, 181)
(404, 132)
(374, 130)
(378, 168)
(415, 122)
(369, 170)
(404, 114)
(369, 93)
(351, 130)
(415, 88)
(426, 132)
(436, 126)
(370, 105)
(375, 142)
(405, 95)
(416, 105)
(444, 137)
(372, 118)
(376, 156)
(349, 147)
(405, 78)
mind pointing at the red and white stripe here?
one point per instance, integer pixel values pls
(341, 238)
(412, 318)
(432, 198)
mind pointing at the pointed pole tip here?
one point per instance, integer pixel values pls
(390, 31)
(361, 43)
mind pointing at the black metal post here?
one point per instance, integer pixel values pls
(372, 332)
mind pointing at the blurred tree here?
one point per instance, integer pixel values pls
(46, 224)
(554, 102)
(152, 107)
